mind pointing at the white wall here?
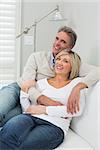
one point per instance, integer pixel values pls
(82, 17)
(98, 54)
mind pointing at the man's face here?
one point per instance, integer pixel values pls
(62, 41)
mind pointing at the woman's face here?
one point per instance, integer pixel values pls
(63, 65)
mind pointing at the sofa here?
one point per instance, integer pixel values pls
(84, 132)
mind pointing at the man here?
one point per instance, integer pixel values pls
(40, 65)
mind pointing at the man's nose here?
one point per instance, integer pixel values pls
(58, 42)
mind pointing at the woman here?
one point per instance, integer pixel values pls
(48, 124)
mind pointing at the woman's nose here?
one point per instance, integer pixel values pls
(60, 62)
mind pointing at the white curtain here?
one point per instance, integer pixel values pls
(7, 40)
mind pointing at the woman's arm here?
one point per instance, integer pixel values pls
(58, 111)
(24, 96)
(24, 101)
(42, 100)
(61, 111)
(28, 108)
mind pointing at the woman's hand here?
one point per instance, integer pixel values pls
(27, 84)
(36, 110)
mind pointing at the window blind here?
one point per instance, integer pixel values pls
(7, 40)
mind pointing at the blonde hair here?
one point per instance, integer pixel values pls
(75, 62)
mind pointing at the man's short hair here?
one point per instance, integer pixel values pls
(69, 31)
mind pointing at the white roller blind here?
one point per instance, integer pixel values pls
(7, 40)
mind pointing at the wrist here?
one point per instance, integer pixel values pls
(44, 109)
(81, 86)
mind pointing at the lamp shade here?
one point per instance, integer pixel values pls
(57, 16)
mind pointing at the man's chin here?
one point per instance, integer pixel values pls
(55, 52)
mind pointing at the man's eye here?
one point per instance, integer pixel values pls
(63, 41)
(57, 38)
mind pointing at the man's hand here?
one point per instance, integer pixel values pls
(73, 104)
(27, 84)
(44, 100)
(36, 109)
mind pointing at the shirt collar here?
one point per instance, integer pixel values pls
(52, 60)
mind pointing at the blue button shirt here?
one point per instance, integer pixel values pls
(52, 61)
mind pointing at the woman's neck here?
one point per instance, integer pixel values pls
(59, 81)
(61, 78)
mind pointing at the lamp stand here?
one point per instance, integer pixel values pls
(27, 29)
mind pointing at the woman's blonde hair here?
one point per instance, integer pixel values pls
(75, 62)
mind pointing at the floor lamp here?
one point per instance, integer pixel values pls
(57, 17)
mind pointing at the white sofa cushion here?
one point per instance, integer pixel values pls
(87, 124)
(73, 141)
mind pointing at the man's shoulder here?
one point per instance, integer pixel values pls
(41, 53)
(40, 56)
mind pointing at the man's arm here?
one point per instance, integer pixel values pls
(58, 111)
(46, 101)
(73, 105)
(29, 73)
(90, 74)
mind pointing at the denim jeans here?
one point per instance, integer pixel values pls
(9, 99)
(25, 132)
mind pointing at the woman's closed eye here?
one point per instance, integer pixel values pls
(66, 61)
(58, 58)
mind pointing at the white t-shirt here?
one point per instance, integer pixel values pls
(56, 114)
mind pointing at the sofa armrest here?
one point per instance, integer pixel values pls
(87, 125)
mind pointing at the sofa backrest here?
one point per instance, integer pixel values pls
(87, 125)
